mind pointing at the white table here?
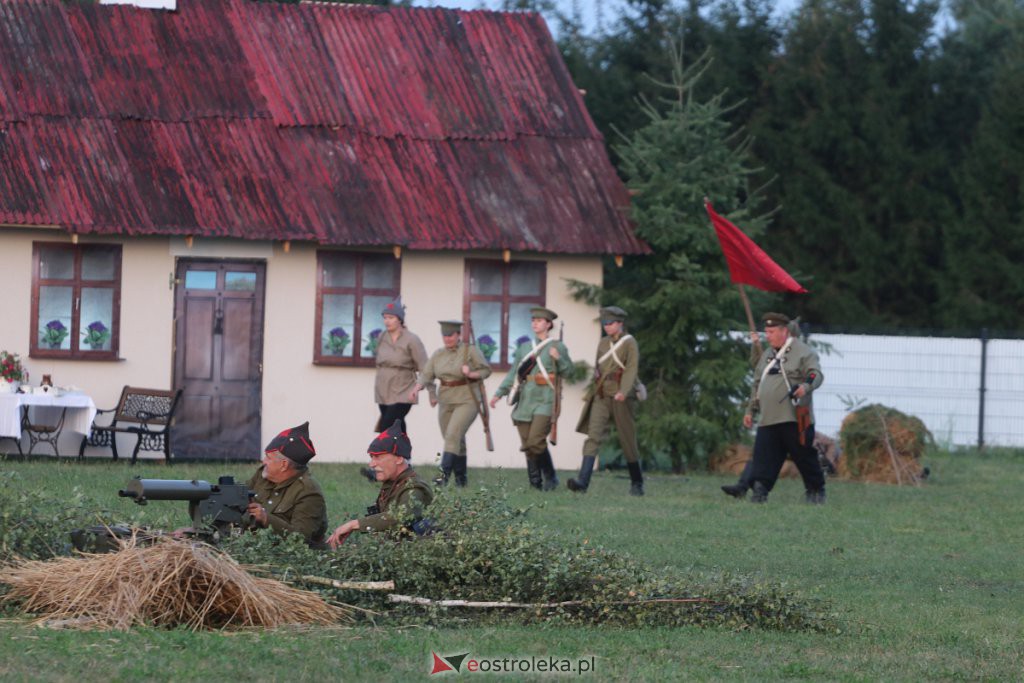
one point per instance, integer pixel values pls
(79, 412)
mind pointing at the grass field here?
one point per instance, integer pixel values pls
(927, 583)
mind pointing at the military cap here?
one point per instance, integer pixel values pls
(392, 440)
(450, 326)
(395, 308)
(541, 312)
(775, 319)
(613, 314)
(293, 444)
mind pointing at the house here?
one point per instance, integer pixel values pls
(212, 190)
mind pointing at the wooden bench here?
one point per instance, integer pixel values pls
(146, 413)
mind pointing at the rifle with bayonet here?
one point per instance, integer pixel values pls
(556, 409)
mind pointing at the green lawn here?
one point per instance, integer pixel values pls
(927, 582)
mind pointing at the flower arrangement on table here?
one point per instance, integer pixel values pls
(487, 345)
(54, 334)
(11, 369)
(96, 335)
(371, 344)
(337, 341)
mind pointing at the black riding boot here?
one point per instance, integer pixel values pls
(739, 489)
(815, 497)
(547, 468)
(461, 462)
(581, 483)
(447, 462)
(758, 493)
(636, 479)
(533, 472)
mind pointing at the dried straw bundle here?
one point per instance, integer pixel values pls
(170, 583)
(881, 444)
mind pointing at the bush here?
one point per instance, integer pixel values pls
(487, 550)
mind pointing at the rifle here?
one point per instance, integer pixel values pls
(481, 396)
(556, 409)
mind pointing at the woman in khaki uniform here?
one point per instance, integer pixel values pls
(536, 366)
(459, 368)
(400, 355)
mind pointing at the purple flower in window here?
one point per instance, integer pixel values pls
(337, 341)
(96, 334)
(54, 333)
(487, 345)
(523, 340)
(371, 344)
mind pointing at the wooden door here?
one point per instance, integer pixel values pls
(218, 358)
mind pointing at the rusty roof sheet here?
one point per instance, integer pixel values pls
(342, 124)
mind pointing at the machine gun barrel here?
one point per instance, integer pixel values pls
(143, 490)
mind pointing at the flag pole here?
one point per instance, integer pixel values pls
(754, 336)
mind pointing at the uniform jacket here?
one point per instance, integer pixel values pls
(400, 502)
(536, 397)
(446, 365)
(296, 505)
(610, 378)
(769, 402)
(397, 364)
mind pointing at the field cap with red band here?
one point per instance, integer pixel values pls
(393, 440)
(293, 444)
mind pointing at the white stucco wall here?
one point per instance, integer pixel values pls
(338, 402)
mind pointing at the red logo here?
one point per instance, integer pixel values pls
(447, 663)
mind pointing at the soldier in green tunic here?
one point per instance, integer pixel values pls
(288, 499)
(532, 384)
(612, 397)
(459, 368)
(403, 495)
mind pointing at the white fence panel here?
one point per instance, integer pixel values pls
(935, 379)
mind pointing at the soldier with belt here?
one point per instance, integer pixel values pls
(536, 367)
(403, 495)
(784, 379)
(612, 397)
(288, 499)
(459, 368)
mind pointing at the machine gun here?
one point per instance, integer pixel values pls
(214, 509)
(219, 505)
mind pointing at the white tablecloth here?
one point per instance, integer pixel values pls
(46, 410)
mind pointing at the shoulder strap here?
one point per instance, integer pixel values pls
(610, 353)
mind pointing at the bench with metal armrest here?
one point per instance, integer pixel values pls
(146, 413)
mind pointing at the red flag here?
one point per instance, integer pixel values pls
(748, 264)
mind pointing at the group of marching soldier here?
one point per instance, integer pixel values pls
(287, 499)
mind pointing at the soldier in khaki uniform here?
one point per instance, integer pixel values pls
(403, 495)
(400, 355)
(784, 379)
(611, 398)
(288, 499)
(459, 368)
(536, 368)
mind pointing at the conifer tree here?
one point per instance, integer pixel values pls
(680, 300)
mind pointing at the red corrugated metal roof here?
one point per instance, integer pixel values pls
(344, 124)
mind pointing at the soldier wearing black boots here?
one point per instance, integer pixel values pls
(784, 379)
(611, 398)
(532, 384)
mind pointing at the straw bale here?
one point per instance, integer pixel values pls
(168, 583)
(881, 444)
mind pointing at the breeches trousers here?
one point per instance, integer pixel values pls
(455, 420)
(534, 435)
(771, 446)
(603, 413)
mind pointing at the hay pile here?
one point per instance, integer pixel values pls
(170, 583)
(882, 444)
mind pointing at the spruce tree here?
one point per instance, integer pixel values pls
(680, 300)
